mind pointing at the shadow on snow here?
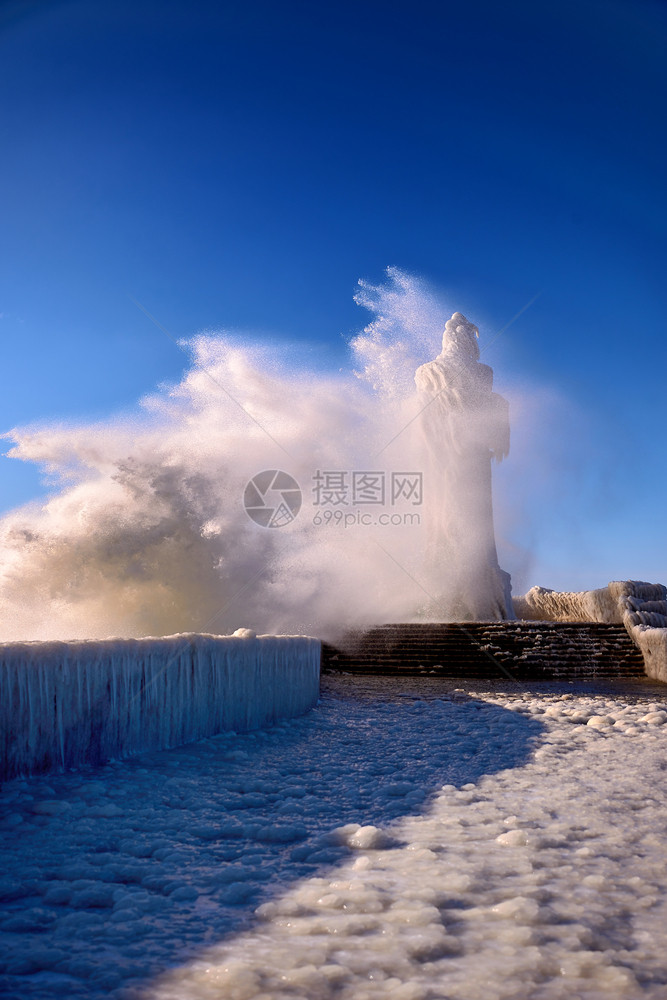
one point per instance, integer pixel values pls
(231, 820)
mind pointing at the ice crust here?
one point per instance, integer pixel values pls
(641, 607)
(403, 840)
(64, 704)
(464, 424)
(542, 604)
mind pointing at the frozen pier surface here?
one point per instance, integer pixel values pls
(537, 650)
(63, 704)
(408, 839)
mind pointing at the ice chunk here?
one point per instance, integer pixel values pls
(360, 837)
(513, 838)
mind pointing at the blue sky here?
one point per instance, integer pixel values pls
(241, 165)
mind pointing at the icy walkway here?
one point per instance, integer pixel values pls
(220, 870)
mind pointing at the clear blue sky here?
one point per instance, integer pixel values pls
(242, 164)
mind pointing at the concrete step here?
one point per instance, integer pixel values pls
(489, 649)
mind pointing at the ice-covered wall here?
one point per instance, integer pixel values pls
(541, 604)
(641, 607)
(644, 607)
(63, 704)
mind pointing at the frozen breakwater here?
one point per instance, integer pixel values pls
(63, 704)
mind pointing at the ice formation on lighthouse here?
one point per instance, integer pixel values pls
(465, 425)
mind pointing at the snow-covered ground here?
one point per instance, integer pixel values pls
(404, 840)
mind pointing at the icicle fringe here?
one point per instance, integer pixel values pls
(64, 704)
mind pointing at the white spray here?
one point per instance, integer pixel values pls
(149, 534)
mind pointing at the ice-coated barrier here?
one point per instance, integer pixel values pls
(63, 704)
(640, 607)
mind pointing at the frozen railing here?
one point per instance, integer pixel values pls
(644, 608)
(63, 704)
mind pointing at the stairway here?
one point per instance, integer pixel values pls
(521, 649)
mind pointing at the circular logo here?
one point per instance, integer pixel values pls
(272, 498)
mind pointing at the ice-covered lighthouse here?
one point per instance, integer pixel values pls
(465, 425)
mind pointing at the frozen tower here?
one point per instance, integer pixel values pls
(465, 424)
